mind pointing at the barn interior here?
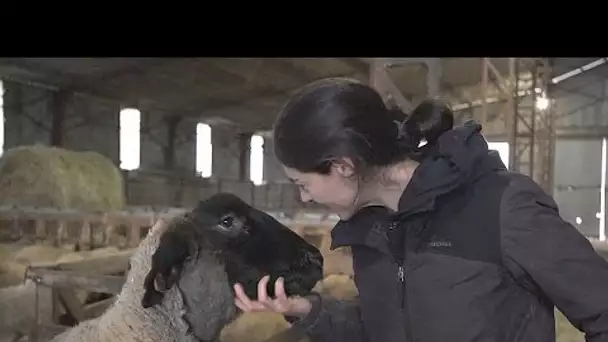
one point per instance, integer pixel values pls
(113, 144)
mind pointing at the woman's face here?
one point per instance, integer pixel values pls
(337, 190)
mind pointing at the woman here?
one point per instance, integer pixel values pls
(447, 244)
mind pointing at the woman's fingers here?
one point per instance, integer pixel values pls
(279, 290)
(281, 302)
(243, 301)
(273, 304)
(264, 303)
(239, 303)
(241, 296)
(262, 293)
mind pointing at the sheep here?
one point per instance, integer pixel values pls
(179, 285)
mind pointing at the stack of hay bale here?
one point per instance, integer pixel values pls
(47, 176)
(52, 177)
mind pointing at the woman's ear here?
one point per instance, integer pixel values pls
(344, 167)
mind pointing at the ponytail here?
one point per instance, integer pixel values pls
(427, 122)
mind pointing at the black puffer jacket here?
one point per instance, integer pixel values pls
(475, 253)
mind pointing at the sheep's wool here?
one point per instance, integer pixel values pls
(126, 319)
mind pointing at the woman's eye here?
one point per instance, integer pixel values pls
(227, 221)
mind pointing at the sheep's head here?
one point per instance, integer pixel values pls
(245, 242)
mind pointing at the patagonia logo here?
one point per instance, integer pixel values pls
(440, 244)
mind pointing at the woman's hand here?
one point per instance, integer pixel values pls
(288, 306)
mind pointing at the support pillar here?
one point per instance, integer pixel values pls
(243, 143)
(171, 123)
(382, 82)
(225, 151)
(434, 74)
(530, 129)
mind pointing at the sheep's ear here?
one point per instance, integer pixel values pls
(157, 282)
(151, 295)
(167, 261)
(164, 282)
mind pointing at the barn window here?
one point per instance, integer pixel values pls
(130, 121)
(1, 117)
(602, 213)
(502, 147)
(204, 155)
(256, 159)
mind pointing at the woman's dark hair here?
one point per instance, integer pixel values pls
(341, 118)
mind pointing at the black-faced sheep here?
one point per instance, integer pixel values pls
(179, 286)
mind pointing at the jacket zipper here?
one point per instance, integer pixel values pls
(402, 287)
(401, 276)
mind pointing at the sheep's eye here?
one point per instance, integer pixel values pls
(227, 221)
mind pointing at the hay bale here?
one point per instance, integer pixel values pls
(36, 254)
(84, 255)
(339, 286)
(259, 326)
(254, 327)
(48, 176)
(565, 331)
(338, 261)
(8, 250)
(73, 257)
(105, 251)
(7, 278)
(13, 265)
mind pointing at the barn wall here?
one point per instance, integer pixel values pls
(273, 171)
(580, 105)
(577, 182)
(581, 100)
(94, 125)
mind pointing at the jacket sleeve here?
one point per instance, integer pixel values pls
(334, 320)
(560, 261)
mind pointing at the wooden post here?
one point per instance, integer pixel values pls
(86, 235)
(46, 309)
(40, 229)
(133, 235)
(171, 123)
(55, 286)
(109, 228)
(15, 229)
(243, 146)
(62, 232)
